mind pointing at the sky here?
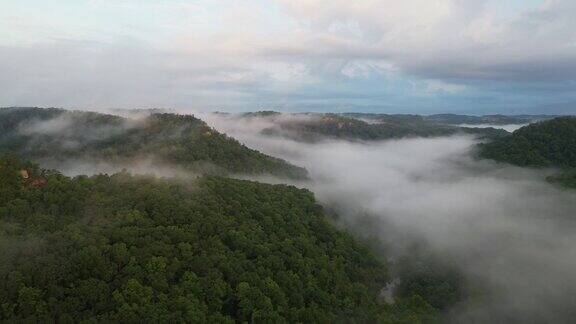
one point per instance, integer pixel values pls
(386, 56)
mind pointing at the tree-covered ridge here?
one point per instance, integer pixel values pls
(550, 143)
(179, 140)
(486, 119)
(357, 127)
(125, 249)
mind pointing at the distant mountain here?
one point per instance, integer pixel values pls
(178, 140)
(550, 143)
(398, 118)
(475, 120)
(263, 113)
(311, 127)
(455, 119)
(140, 112)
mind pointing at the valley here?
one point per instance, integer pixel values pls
(179, 236)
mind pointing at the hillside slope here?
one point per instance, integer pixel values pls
(550, 143)
(129, 249)
(486, 119)
(177, 140)
(315, 127)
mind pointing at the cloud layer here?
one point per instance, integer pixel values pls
(375, 55)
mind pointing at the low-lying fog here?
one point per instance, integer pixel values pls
(505, 226)
(509, 127)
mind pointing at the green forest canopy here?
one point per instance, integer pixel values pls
(550, 143)
(126, 248)
(178, 140)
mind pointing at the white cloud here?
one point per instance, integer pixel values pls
(456, 39)
(238, 55)
(441, 86)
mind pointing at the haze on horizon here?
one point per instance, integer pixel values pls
(415, 56)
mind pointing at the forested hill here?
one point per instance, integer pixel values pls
(486, 119)
(133, 249)
(550, 143)
(177, 140)
(314, 127)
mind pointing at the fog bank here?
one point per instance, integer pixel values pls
(508, 230)
(507, 127)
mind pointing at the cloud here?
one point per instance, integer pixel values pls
(508, 230)
(435, 86)
(445, 39)
(428, 56)
(110, 76)
(146, 166)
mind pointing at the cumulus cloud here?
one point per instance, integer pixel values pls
(505, 227)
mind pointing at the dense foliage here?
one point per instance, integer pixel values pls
(440, 284)
(549, 143)
(378, 127)
(177, 140)
(130, 249)
(124, 248)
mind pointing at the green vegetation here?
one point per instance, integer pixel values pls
(357, 127)
(486, 119)
(130, 249)
(176, 140)
(549, 143)
(566, 178)
(124, 248)
(440, 285)
(452, 119)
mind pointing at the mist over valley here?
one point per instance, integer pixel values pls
(473, 239)
(288, 161)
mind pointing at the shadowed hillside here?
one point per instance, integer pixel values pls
(549, 143)
(177, 140)
(312, 127)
